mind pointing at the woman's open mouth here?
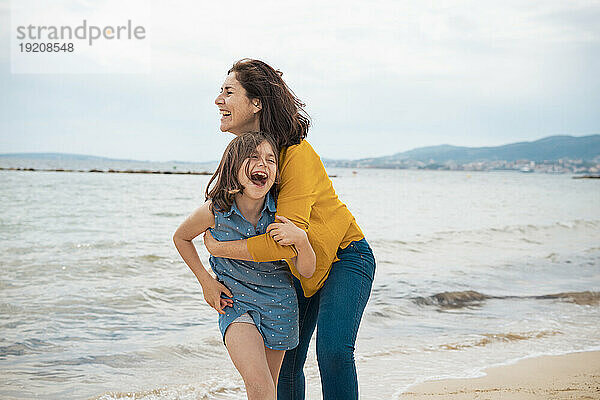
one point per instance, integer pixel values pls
(224, 114)
(259, 178)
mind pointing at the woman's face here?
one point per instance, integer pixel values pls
(239, 114)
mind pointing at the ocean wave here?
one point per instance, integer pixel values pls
(384, 312)
(28, 346)
(574, 224)
(100, 244)
(489, 338)
(485, 235)
(459, 299)
(453, 299)
(479, 340)
(205, 348)
(168, 214)
(528, 228)
(582, 298)
(150, 257)
(592, 250)
(386, 352)
(112, 360)
(209, 389)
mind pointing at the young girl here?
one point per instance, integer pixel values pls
(258, 307)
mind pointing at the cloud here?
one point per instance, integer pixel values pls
(378, 77)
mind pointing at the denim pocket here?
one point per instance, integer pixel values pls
(362, 251)
(366, 255)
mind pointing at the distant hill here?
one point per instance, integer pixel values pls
(78, 157)
(86, 162)
(547, 149)
(54, 156)
(551, 148)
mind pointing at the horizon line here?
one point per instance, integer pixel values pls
(330, 159)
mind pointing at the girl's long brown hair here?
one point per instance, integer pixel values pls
(282, 113)
(226, 182)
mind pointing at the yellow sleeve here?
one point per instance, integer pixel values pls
(297, 195)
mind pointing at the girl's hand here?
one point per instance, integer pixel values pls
(226, 303)
(212, 289)
(286, 233)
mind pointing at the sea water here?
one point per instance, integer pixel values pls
(473, 269)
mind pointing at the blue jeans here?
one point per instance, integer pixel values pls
(336, 309)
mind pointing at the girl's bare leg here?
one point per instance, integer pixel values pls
(247, 351)
(274, 360)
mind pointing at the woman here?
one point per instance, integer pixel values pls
(254, 97)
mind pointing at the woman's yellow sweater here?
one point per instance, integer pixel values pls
(307, 198)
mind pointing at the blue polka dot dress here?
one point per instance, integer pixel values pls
(264, 290)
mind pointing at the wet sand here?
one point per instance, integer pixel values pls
(570, 376)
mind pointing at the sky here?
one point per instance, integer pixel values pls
(378, 77)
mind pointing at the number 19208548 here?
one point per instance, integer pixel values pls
(46, 47)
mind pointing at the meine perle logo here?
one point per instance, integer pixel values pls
(82, 32)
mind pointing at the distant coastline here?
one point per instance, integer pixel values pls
(111, 171)
(552, 155)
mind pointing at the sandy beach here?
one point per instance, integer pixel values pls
(570, 376)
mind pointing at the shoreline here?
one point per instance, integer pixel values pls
(115, 171)
(109, 171)
(145, 171)
(566, 376)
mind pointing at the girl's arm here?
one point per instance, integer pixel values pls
(296, 198)
(287, 234)
(198, 222)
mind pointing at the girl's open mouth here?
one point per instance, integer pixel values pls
(259, 178)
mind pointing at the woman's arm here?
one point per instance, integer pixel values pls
(287, 234)
(236, 249)
(199, 221)
(295, 200)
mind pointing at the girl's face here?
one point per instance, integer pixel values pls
(239, 114)
(262, 168)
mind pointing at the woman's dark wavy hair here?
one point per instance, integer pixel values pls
(226, 179)
(282, 113)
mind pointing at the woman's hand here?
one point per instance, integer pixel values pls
(212, 289)
(210, 242)
(286, 233)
